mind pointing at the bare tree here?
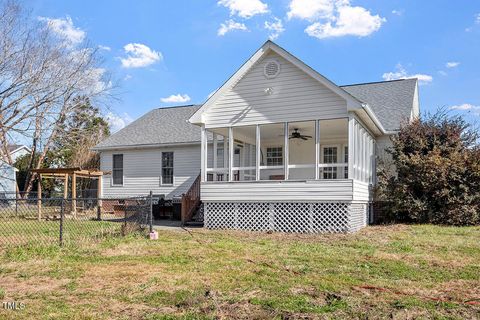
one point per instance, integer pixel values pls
(40, 75)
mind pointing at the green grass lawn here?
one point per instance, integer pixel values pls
(20, 231)
(380, 272)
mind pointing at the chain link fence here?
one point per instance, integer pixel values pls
(47, 221)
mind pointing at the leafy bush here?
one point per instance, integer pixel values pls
(437, 176)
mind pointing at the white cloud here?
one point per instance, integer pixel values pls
(176, 98)
(105, 48)
(127, 77)
(443, 73)
(398, 12)
(65, 29)
(275, 28)
(467, 107)
(452, 64)
(95, 82)
(349, 21)
(334, 18)
(244, 8)
(230, 25)
(401, 73)
(476, 22)
(139, 55)
(311, 9)
(118, 122)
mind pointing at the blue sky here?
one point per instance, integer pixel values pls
(177, 52)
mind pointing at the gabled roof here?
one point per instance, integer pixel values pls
(162, 126)
(391, 101)
(267, 47)
(12, 148)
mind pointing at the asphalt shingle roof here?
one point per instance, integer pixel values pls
(391, 101)
(159, 126)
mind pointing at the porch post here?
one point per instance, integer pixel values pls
(225, 156)
(230, 153)
(39, 196)
(363, 149)
(215, 148)
(203, 154)
(317, 149)
(99, 195)
(286, 151)
(257, 152)
(351, 147)
(74, 193)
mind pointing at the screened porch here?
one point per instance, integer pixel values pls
(316, 150)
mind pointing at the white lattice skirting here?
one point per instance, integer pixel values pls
(299, 217)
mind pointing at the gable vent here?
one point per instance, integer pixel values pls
(271, 69)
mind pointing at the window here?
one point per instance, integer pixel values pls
(167, 167)
(117, 171)
(330, 156)
(275, 156)
(345, 159)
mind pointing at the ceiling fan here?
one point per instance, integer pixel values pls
(297, 135)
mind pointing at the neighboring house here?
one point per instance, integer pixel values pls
(16, 151)
(8, 181)
(279, 147)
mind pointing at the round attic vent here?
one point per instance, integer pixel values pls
(271, 69)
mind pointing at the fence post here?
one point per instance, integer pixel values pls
(99, 212)
(125, 216)
(150, 217)
(62, 211)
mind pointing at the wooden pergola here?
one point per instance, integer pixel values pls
(65, 174)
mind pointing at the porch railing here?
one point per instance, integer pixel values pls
(190, 201)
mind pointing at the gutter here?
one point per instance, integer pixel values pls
(144, 146)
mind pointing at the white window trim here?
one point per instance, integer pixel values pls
(161, 170)
(339, 152)
(112, 184)
(281, 157)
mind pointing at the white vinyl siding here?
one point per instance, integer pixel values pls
(321, 190)
(142, 171)
(361, 191)
(296, 96)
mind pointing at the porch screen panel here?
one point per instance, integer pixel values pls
(333, 148)
(244, 155)
(272, 151)
(363, 153)
(217, 154)
(301, 150)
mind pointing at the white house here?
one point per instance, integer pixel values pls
(16, 151)
(8, 181)
(278, 147)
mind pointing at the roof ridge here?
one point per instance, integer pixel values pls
(184, 106)
(375, 82)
